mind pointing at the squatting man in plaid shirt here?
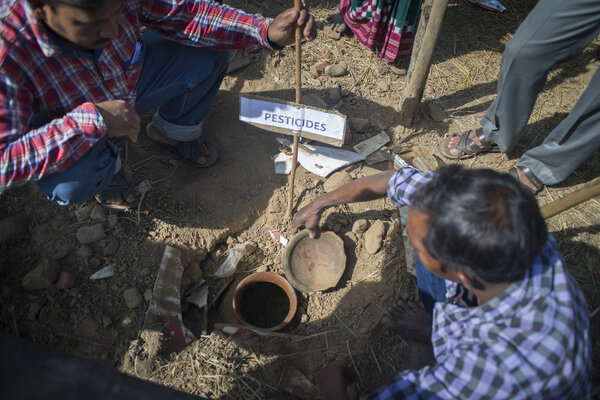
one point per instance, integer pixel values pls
(74, 73)
(505, 318)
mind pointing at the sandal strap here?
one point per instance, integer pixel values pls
(468, 147)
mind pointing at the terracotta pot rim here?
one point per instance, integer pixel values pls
(268, 277)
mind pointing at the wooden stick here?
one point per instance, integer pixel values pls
(413, 93)
(292, 177)
(586, 192)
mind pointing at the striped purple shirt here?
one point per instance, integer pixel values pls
(530, 342)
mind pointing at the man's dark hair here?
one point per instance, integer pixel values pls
(88, 5)
(481, 222)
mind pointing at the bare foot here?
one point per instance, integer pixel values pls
(410, 320)
(455, 141)
(336, 22)
(157, 136)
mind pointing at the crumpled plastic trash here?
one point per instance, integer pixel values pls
(493, 5)
(230, 264)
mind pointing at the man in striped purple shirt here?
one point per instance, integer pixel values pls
(76, 72)
(504, 317)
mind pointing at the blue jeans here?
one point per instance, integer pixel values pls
(431, 287)
(182, 81)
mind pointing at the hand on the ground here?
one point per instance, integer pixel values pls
(282, 30)
(333, 380)
(308, 217)
(120, 118)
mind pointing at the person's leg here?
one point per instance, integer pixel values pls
(91, 174)
(554, 31)
(431, 288)
(571, 142)
(183, 81)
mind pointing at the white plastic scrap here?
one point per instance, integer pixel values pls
(233, 258)
(199, 297)
(105, 272)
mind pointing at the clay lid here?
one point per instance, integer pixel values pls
(313, 265)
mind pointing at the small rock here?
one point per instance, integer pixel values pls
(148, 294)
(304, 318)
(94, 263)
(132, 297)
(254, 192)
(359, 226)
(383, 86)
(436, 112)
(313, 100)
(327, 56)
(84, 251)
(111, 248)
(330, 33)
(66, 280)
(106, 321)
(359, 124)
(398, 71)
(90, 234)
(231, 241)
(84, 212)
(13, 227)
(112, 220)
(173, 163)
(335, 70)
(318, 68)
(336, 180)
(374, 236)
(335, 94)
(60, 251)
(42, 277)
(98, 213)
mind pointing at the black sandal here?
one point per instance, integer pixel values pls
(529, 174)
(118, 186)
(467, 148)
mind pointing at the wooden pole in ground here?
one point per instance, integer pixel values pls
(586, 192)
(413, 93)
(292, 177)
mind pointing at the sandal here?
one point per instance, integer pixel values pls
(467, 148)
(118, 186)
(190, 151)
(532, 178)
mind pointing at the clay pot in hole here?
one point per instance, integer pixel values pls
(264, 278)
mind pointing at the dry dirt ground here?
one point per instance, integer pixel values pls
(204, 212)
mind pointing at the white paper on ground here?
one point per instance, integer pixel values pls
(199, 297)
(283, 164)
(324, 160)
(105, 272)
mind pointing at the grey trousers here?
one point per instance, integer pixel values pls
(554, 31)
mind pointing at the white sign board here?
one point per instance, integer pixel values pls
(293, 119)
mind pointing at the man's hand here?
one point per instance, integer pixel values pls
(120, 118)
(333, 380)
(282, 29)
(308, 217)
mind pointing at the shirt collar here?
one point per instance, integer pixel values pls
(49, 46)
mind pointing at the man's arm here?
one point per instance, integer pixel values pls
(30, 154)
(365, 189)
(221, 27)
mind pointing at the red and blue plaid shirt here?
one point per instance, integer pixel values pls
(40, 75)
